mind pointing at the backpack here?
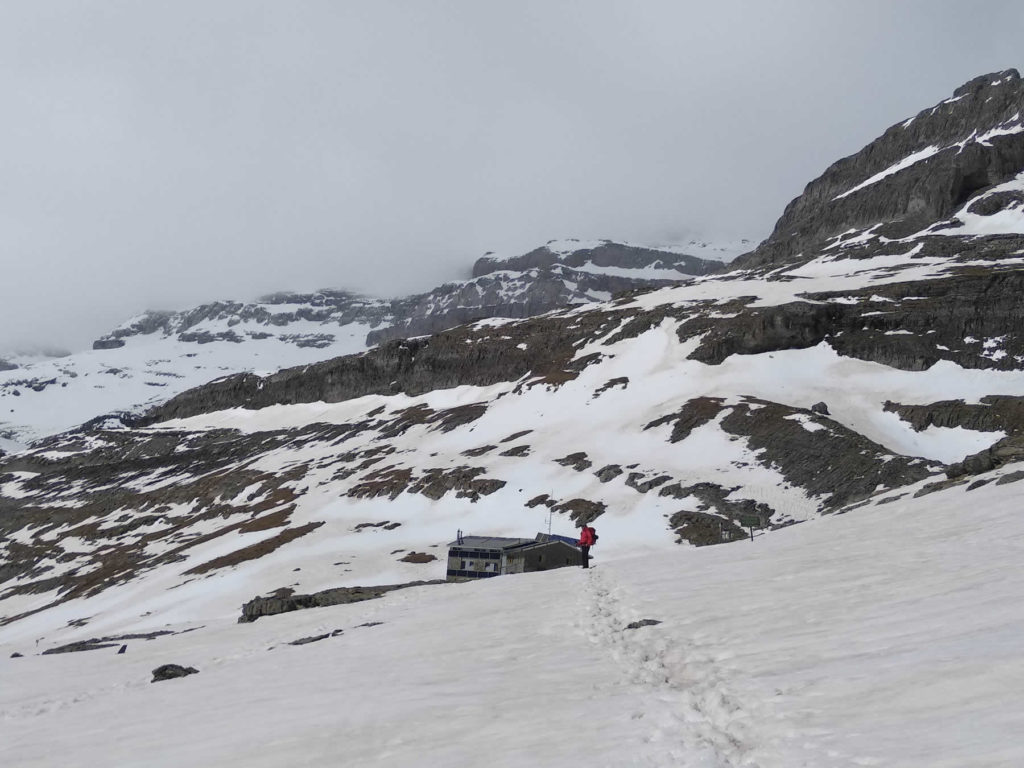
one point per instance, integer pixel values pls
(593, 533)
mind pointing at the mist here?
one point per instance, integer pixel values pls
(157, 155)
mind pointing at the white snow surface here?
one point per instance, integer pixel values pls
(1009, 220)
(886, 636)
(896, 167)
(148, 369)
(1010, 127)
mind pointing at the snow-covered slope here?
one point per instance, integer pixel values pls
(640, 413)
(885, 637)
(157, 355)
(574, 257)
(43, 396)
(858, 406)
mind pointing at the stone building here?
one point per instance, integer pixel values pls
(481, 557)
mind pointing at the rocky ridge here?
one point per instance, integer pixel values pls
(519, 287)
(915, 175)
(158, 354)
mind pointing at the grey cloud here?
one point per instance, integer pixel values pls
(160, 154)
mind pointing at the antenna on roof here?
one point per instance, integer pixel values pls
(458, 536)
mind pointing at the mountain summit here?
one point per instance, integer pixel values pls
(919, 172)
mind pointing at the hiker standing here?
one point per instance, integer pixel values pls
(588, 537)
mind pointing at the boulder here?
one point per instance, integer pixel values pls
(171, 671)
(643, 623)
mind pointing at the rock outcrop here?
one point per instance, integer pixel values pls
(171, 671)
(641, 405)
(603, 254)
(269, 606)
(918, 172)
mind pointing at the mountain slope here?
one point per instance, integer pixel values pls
(485, 423)
(854, 404)
(689, 413)
(914, 176)
(898, 644)
(157, 355)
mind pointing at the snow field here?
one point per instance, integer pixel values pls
(564, 420)
(147, 370)
(887, 636)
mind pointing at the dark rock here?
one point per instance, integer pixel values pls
(936, 318)
(206, 337)
(122, 649)
(542, 347)
(81, 645)
(643, 623)
(577, 461)
(537, 282)
(993, 413)
(821, 408)
(269, 606)
(744, 512)
(1006, 451)
(310, 639)
(474, 452)
(417, 557)
(308, 340)
(797, 325)
(581, 511)
(702, 528)
(108, 343)
(694, 413)
(608, 472)
(16, 655)
(370, 624)
(924, 192)
(517, 451)
(107, 642)
(608, 254)
(890, 499)
(996, 202)
(171, 671)
(1011, 477)
(834, 463)
(434, 483)
(636, 481)
(619, 381)
(387, 525)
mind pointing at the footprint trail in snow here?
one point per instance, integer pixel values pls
(693, 719)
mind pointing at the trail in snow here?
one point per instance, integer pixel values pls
(692, 716)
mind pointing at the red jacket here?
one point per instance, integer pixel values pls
(587, 536)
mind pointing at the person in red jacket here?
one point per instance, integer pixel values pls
(588, 537)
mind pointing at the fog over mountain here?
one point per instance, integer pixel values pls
(163, 155)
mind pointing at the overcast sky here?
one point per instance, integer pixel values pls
(161, 154)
